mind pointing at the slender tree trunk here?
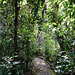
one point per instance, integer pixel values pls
(27, 53)
(15, 32)
(15, 26)
(27, 49)
(60, 40)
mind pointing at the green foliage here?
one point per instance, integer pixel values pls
(64, 64)
(43, 28)
(1, 70)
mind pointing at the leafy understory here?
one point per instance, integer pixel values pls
(43, 29)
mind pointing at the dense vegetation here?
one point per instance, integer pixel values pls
(31, 28)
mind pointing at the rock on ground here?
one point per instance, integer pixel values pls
(40, 67)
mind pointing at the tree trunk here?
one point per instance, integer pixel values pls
(15, 33)
(27, 53)
(60, 40)
(15, 26)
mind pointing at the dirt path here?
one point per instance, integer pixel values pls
(40, 67)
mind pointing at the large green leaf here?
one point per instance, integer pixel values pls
(54, 1)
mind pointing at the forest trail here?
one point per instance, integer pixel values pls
(40, 67)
